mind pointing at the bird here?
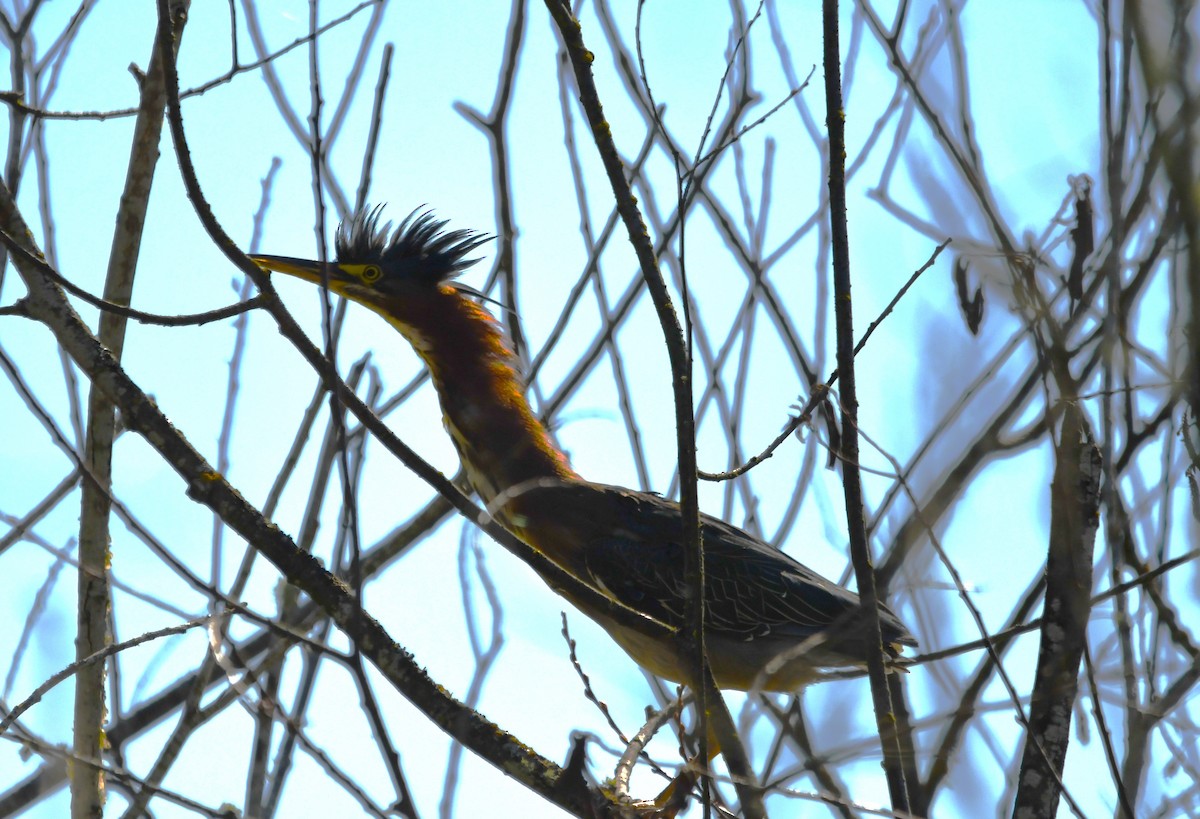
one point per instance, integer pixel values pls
(771, 623)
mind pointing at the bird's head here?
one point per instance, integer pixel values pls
(378, 266)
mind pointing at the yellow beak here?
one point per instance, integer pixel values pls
(306, 269)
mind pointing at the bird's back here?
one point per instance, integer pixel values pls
(761, 604)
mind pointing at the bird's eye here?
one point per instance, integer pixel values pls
(371, 274)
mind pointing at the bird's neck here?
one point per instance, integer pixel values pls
(501, 442)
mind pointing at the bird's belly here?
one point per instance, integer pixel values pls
(735, 664)
(656, 656)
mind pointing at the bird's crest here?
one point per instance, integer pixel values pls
(418, 249)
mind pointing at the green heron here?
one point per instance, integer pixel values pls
(771, 622)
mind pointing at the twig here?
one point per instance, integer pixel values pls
(885, 717)
(709, 701)
(822, 390)
(96, 657)
(122, 310)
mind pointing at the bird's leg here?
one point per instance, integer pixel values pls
(674, 796)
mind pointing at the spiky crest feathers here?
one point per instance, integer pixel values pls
(419, 249)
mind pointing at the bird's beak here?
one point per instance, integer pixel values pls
(306, 269)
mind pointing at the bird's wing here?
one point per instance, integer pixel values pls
(634, 552)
